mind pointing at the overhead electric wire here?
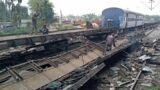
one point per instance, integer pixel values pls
(151, 8)
(145, 4)
(156, 5)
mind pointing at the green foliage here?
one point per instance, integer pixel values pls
(40, 23)
(155, 87)
(19, 1)
(153, 18)
(86, 17)
(17, 15)
(72, 17)
(24, 12)
(22, 30)
(62, 27)
(44, 8)
(89, 17)
(15, 12)
(35, 5)
(12, 12)
(2, 11)
(65, 27)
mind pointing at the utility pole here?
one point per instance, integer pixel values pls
(151, 2)
(61, 17)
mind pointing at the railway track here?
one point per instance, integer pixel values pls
(28, 40)
(31, 73)
(64, 68)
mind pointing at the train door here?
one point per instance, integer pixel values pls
(110, 23)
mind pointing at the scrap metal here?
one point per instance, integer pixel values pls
(34, 74)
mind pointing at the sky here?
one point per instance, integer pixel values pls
(80, 7)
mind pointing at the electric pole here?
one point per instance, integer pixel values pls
(151, 2)
(61, 16)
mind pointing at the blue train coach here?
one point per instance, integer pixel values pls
(119, 18)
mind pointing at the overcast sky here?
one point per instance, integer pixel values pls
(79, 7)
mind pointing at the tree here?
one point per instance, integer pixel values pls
(89, 17)
(10, 11)
(2, 11)
(24, 12)
(71, 17)
(44, 8)
(16, 12)
(152, 18)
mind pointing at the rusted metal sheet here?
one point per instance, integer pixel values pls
(35, 74)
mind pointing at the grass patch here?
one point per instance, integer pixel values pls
(67, 26)
(155, 87)
(17, 31)
(62, 27)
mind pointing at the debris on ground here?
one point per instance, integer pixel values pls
(139, 70)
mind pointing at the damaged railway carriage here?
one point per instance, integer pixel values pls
(121, 19)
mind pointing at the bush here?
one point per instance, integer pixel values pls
(21, 30)
(40, 23)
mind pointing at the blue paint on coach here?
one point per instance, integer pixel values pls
(114, 14)
(119, 18)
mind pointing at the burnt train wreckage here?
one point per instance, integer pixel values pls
(68, 70)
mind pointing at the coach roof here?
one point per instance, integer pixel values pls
(123, 10)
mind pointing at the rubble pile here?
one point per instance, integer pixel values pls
(139, 70)
(150, 79)
(122, 75)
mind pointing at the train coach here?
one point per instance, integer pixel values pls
(119, 18)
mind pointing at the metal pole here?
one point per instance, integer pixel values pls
(61, 16)
(151, 1)
(151, 5)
